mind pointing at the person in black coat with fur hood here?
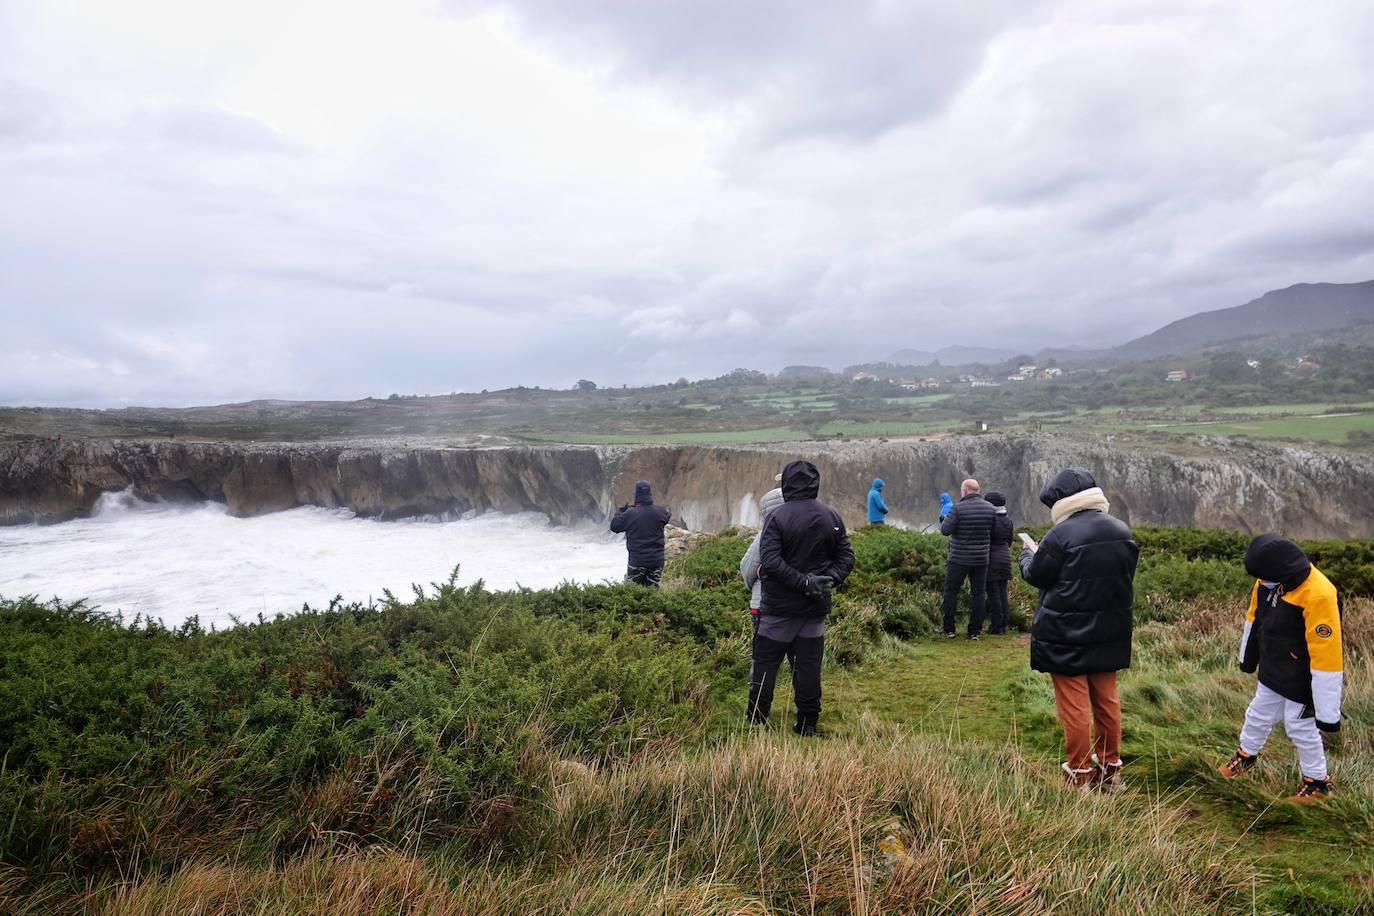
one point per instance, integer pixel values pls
(999, 564)
(1081, 633)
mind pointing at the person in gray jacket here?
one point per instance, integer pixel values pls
(749, 566)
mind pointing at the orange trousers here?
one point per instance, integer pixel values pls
(1090, 711)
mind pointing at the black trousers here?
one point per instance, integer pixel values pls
(644, 575)
(999, 606)
(804, 654)
(955, 574)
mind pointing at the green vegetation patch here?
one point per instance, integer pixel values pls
(470, 751)
(711, 437)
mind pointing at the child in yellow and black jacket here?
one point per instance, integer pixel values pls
(1293, 636)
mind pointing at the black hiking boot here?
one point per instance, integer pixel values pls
(1239, 763)
(1313, 790)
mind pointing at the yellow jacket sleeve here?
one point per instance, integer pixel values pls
(1322, 627)
(1249, 636)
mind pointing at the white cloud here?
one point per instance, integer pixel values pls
(336, 199)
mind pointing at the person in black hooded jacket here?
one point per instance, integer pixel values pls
(643, 525)
(1081, 633)
(804, 552)
(1292, 636)
(999, 564)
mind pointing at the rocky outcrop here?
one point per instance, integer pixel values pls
(1233, 485)
(45, 481)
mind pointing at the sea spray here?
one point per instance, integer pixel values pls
(175, 560)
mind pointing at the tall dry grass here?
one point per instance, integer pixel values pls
(766, 825)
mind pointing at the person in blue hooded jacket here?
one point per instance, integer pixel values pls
(876, 507)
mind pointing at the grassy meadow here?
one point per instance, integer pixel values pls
(581, 750)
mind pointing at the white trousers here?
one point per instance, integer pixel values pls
(1268, 709)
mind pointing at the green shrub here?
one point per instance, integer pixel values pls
(1348, 564)
(1182, 579)
(380, 723)
(712, 564)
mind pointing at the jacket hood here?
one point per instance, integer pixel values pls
(800, 480)
(1066, 483)
(997, 499)
(878, 483)
(1277, 559)
(643, 494)
(770, 501)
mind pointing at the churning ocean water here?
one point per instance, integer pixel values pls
(174, 561)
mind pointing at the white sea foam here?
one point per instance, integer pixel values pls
(174, 561)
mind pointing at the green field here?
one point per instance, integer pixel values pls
(886, 428)
(720, 437)
(745, 407)
(1295, 409)
(1334, 430)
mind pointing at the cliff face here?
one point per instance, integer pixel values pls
(44, 482)
(1250, 488)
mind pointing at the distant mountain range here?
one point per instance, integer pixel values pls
(1298, 309)
(951, 356)
(1301, 309)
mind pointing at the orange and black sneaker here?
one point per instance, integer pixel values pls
(1239, 763)
(1313, 790)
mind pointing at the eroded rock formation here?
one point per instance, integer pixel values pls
(1241, 486)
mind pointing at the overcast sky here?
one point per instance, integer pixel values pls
(205, 202)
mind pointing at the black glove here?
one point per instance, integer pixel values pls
(818, 586)
(1249, 668)
(1328, 726)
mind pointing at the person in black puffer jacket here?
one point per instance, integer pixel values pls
(969, 529)
(1081, 633)
(643, 525)
(999, 564)
(804, 552)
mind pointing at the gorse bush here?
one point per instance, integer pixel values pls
(713, 564)
(1349, 563)
(395, 723)
(1184, 580)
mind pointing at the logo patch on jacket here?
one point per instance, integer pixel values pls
(1323, 631)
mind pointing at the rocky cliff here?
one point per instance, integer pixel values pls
(1247, 487)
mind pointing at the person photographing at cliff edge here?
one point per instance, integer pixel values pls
(804, 552)
(642, 524)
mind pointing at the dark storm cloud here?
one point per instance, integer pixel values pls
(847, 69)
